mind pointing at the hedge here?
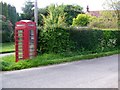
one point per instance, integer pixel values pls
(54, 40)
(79, 40)
(95, 40)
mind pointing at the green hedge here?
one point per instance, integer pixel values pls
(55, 40)
(73, 39)
(95, 40)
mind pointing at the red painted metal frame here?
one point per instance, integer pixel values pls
(26, 27)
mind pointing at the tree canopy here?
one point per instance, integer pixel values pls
(81, 20)
(8, 18)
(28, 12)
(115, 5)
(71, 11)
(9, 12)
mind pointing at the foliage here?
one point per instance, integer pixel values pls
(54, 40)
(8, 62)
(44, 12)
(71, 12)
(6, 32)
(94, 40)
(52, 37)
(55, 18)
(81, 20)
(115, 5)
(107, 19)
(9, 12)
(8, 18)
(28, 13)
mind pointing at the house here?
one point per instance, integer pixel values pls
(100, 13)
(93, 13)
(106, 18)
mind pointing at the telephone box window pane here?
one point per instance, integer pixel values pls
(31, 32)
(20, 32)
(20, 38)
(31, 44)
(20, 43)
(31, 36)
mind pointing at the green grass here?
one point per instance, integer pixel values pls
(7, 47)
(8, 62)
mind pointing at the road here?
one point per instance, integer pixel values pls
(94, 73)
(7, 54)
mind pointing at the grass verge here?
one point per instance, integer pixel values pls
(7, 47)
(8, 62)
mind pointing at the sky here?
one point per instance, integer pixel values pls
(93, 4)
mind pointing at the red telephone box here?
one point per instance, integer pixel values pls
(25, 40)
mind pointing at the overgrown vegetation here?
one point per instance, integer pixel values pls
(9, 12)
(6, 32)
(28, 12)
(8, 18)
(107, 19)
(8, 62)
(53, 38)
(71, 11)
(81, 20)
(80, 40)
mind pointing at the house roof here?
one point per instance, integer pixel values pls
(94, 13)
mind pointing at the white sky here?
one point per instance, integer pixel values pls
(93, 4)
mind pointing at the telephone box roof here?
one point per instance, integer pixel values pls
(26, 21)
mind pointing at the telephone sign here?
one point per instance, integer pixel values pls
(25, 40)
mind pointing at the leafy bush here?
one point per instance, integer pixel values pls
(72, 39)
(6, 32)
(81, 20)
(71, 12)
(54, 40)
(107, 19)
(55, 18)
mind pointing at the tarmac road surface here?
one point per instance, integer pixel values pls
(95, 73)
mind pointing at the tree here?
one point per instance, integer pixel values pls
(115, 5)
(107, 19)
(55, 18)
(13, 15)
(53, 37)
(81, 20)
(8, 17)
(5, 10)
(71, 12)
(44, 12)
(1, 4)
(9, 12)
(28, 12)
